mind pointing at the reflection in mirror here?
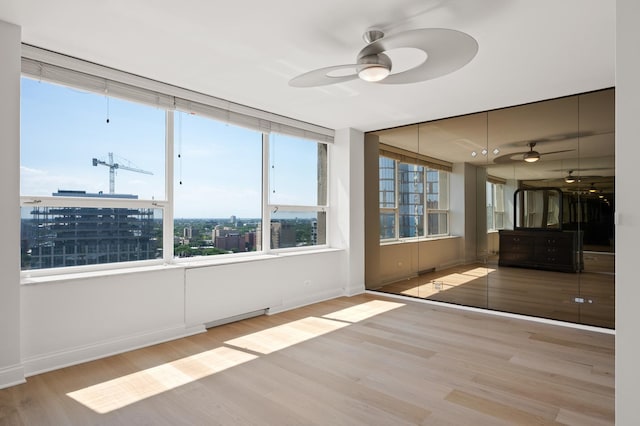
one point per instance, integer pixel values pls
(539, 208)
(532, 182)
(535, 273)
(433, 206)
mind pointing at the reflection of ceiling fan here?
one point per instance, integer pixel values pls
(530, 156)
(570, 178)
(447, 51)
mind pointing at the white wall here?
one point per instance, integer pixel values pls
(277, 283)
(347, 192)
(628, 212)
(10, 367)
(468, 191)
(78, 318)
(69, 319)
(404, 260)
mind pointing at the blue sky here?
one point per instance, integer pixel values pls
(219, 165)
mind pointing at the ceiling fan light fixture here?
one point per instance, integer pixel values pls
(374, 68)
(373, 73)
(531, 156)
(570, 178)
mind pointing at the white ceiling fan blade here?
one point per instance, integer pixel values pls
(447, 51)
(508, 158)
(556, 152)
(321, 77)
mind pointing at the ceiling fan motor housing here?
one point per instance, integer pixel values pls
(378, 60)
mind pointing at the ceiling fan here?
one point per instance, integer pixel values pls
(570, 178)
(446, 50)
(530, 156)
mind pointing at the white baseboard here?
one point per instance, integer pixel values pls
(451, 264)
(11, 376)
(352, 291)
(299, 302)
(55, 360)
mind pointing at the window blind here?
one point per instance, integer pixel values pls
(496, 180)
(53, 67)
(405, 156)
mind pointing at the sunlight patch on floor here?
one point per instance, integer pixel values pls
(285, 335)
(363, 311)
(438, 283)
(122, 391)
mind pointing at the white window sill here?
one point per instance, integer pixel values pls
(26, 279)
(185, 263)
(417, 240)
(204, 261)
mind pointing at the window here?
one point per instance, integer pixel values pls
(91, 167)
(75, 140)
(297, 196)
(113, 173)
(217, 187)
(495, 206)
(54, 237)
(421, 206)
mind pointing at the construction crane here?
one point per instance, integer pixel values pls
(112, 170)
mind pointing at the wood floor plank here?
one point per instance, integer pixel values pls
(497, 409)
(363, 360)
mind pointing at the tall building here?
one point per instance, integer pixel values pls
(187, 232)
(69, 236)
(411, 206)
(283, 234)
(229, 239)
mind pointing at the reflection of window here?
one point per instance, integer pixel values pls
(553, 210)
(414, 200)
(437, 202)
(411, 200)
(387, 170)
(495, 206)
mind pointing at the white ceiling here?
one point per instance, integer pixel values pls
(246, 51)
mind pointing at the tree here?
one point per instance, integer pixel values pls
(183, 250)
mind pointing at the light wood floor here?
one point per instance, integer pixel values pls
(533, 292)
(366, 360)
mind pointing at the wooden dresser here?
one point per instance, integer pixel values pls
(540, 249)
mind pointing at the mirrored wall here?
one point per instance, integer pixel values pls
(510, 209)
